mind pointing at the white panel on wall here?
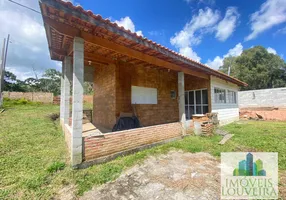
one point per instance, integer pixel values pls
(143, 95)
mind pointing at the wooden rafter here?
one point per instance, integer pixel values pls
(74, 32)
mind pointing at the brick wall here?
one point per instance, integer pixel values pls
(43, 97)
(112, 90)
(110, 143)
(149, 114)
(104, 96)
(195, 83)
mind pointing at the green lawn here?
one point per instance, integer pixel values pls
(34, 160)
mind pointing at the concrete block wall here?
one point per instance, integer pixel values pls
(110, 143)
(275, 97)
(43, 97)
(67, 132)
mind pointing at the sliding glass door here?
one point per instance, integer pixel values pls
(196, 102)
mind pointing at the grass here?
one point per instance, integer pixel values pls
(34, 160)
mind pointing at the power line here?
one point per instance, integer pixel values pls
(32, 9)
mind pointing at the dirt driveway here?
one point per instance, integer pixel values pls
(176, 175)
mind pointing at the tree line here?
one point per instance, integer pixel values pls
(255, 66)
(258, 68)
(49, 82)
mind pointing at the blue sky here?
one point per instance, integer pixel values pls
(204, 30)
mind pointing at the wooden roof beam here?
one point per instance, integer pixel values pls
(74, 32)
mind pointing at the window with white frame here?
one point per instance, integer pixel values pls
(219, 95)
(196, 102)
(231, 96)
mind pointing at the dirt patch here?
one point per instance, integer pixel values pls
(282, 184)
(176, 175)
(66, 193)
(53, 116)
(277, 115)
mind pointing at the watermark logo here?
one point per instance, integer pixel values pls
(249, 175)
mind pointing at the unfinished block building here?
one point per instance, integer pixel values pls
(130, 74)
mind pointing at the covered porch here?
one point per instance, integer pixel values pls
(117, 61)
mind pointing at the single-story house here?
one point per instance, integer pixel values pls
(131, 74)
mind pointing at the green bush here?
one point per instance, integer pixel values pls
(12, 102)
(56, 166)
(6, 99)
(22, 101)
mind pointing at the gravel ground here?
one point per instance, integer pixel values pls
(176, 175)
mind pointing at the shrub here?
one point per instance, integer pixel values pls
(56, 166)
(22, 101)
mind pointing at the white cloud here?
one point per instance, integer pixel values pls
(281, 31)
(271, 13)
(271, 50)
(28, 45)
(188, 51)
(193, 32)
(218, 61)
(128, 24)
(205, 22)
(226, 26)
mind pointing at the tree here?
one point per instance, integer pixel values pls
(11, 83)
(51, 81)
(258, 68)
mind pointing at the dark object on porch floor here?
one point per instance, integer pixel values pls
(125, 123)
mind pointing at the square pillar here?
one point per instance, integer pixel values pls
(77, 101)
(67, 88)
(181, 96)
(62, 96)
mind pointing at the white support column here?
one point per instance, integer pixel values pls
(67, 88)
(62, 96)
(77, 101)
(181, 95)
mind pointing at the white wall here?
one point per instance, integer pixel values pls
(227, 112)
(275, 97)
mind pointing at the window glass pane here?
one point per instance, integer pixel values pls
(186, 98)
(192, 111)
(220, 96)
(205, 109)
(198, 110)
(205, 96)
(231, 96)
(191, 97)
(187, 112)
(198, 97)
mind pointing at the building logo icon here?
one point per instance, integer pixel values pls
(249, 168)
(249, 175)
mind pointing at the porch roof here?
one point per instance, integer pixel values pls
(106, 42)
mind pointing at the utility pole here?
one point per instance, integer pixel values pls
(1, 71)
(230, 65)
(4, 59)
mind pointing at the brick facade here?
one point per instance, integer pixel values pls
(195, 83)
(165, 111)
(104, 96)
(110, 143)
(112, 93)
